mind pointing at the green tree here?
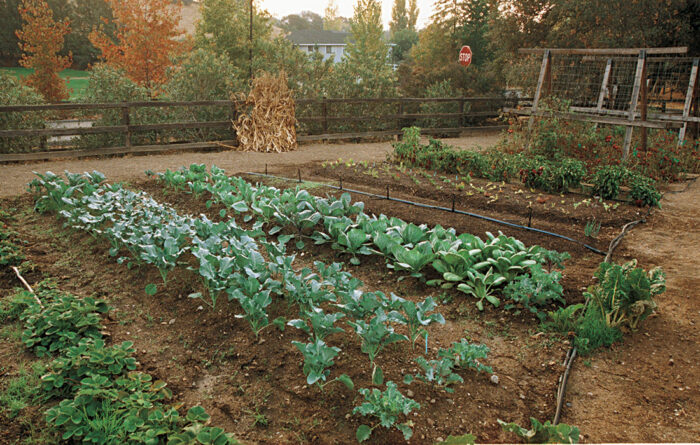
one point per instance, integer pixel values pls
(10, 21)
(304, 20)
(224, 29)
(412, 14)
(399, 17)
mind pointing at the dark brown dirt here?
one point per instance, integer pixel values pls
(644, 390)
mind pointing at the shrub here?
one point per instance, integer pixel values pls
(643, 191)
(13, 92)
(608, 179)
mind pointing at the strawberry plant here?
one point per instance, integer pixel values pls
(63, 322)
(386, 406)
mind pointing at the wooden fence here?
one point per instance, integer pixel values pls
(578, 70)
(313, 113)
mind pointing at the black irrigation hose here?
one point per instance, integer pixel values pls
(444, 209)
(571, 354)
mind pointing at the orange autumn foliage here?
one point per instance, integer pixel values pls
(41, 39)
(145, 39)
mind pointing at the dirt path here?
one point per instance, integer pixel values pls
(648, 389)
(14, 177)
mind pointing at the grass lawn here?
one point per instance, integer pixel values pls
(77, 80)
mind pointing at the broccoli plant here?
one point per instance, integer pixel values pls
(318, 357)
(416, 316)
(440, 372)
(386, 406)
(543, 432)
(467, 355)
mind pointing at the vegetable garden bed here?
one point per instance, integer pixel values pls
(255, 387)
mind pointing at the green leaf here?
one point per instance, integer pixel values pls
(300, 244)
(363, 432)
(197, 414)
(347, 381)
(464, 439)
(151, 289)
(406, 430)
(222, 213)
(280, 322)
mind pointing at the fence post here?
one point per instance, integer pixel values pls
(641, 63)
(126, 121)
(644, 86)
(234, 117)
(692, 84)
(462, 120)
(545, 76)
(399, 121)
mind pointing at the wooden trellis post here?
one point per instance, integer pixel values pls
(543, 82)
(634, 100)
(689, 99)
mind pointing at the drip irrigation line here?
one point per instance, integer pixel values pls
(571, 354)
(444, 209)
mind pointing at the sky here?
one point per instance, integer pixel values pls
(281, 8)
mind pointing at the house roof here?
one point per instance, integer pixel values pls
(318, 37)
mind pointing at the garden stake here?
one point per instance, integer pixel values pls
(529, 217)
(341, 182)
(265, 168)
(299, 174)
(29, 288)
(453, 203)
(387, 192)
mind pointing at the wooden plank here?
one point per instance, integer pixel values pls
(43, 156)
(644, 104)
(546, 60)
(594, 119)
(396, 116)
(688, 99)
(604, 85)
(366, 134)
(181, 125)
(679, 118)
(62, 131)
(641, 63)
(605, 51)
(105, 106)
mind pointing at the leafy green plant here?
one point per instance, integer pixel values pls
(466, 355)
(386, 406)
(608, 179)
(624, 293)
(439, 372)
(318, 357)
(592, 228)
(564, 320)
(322, 324)
(416, 316)
(543, 432)
(481, 286)
(643, 191)
(63, 322)
(536, 289)
(376, 334)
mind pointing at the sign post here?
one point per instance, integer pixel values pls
(465, 56)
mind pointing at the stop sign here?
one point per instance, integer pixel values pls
(465, 56)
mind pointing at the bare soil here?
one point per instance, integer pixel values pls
(646, 389)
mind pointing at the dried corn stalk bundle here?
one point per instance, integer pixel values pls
(270, 125)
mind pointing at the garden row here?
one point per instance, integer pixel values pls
(94, 391)
(547, 173)
(228, 260)
(622, 297)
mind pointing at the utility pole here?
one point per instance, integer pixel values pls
(250, 43)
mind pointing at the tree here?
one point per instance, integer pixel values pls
(144, 41)
(10, 22)
(224, 29)
(364, 71)
(399, 17)
(41, 39)
(304, 20)
(331, 20)
(412, 14)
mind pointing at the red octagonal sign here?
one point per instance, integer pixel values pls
(465, 56)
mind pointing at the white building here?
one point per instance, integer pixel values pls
(331, 44)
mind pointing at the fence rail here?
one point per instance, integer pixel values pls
(314, 115)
